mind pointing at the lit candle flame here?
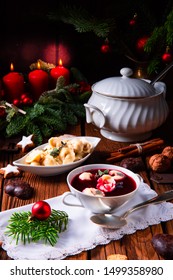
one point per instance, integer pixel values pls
(60, 62)
(11, 67)
(38, 65)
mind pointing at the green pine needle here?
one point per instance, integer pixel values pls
(27, 230)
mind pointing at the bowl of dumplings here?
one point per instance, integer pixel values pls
(58, 155)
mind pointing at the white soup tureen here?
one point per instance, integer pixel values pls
(127, 109)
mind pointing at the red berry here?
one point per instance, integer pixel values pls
(41, 210)
(2, 112)
(23, 96)
(16, 102)
(25, 100)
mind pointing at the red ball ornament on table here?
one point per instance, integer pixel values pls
(41, 210)
(13, 85)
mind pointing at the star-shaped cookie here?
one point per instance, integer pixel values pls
(10, 171)
(26, 143)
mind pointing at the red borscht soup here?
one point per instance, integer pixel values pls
(109, 181)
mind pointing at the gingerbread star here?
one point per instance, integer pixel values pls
(10, 171)
(26, 143)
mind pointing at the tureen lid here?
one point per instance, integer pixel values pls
(124, 86)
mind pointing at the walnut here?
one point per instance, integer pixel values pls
(159, 163)
(168, 151)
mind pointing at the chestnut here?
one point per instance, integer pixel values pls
(163, 245)
(19, 188)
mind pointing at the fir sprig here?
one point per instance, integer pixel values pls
(78, 17)
(27, 230)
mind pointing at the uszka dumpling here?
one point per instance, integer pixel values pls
(66, 155)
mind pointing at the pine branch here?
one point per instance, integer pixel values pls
(83, 21)
(45, 131)
(36, 130)
(36, 111)
(23, 229)
(16, 125)
(169, 28)
(78, 109)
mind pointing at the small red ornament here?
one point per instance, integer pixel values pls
(105, 48)
(167, 56)
(16, 102)
(141, 43)
(23, 96)
(27, 101)
(2, 112)
(132, 22)
(41, 210)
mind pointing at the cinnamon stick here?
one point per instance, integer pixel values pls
(133, 146)
(147, 147)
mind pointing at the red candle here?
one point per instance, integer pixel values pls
(13, 84)
(39, 82)
(58, 71)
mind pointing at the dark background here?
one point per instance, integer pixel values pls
(28, 34)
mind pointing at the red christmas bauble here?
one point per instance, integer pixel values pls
(41, 210)
(167, 57)
(105, 48)
(141, 43)
(132, 22)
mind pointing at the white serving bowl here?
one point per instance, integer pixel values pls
(54, 170)
(126, 109)
(99, 204)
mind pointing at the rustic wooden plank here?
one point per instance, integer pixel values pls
(80, 256)
(98, 253)
(133, 247)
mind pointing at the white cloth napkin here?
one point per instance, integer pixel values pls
(81, 233)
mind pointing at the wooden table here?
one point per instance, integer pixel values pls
(135, 246)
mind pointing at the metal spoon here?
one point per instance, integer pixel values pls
(161, 74)
(114, 222)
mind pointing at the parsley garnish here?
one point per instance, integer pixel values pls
(55, 152)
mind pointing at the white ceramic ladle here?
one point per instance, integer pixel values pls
(114, 222)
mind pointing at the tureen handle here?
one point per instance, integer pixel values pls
(161, 87)
(94, 115)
